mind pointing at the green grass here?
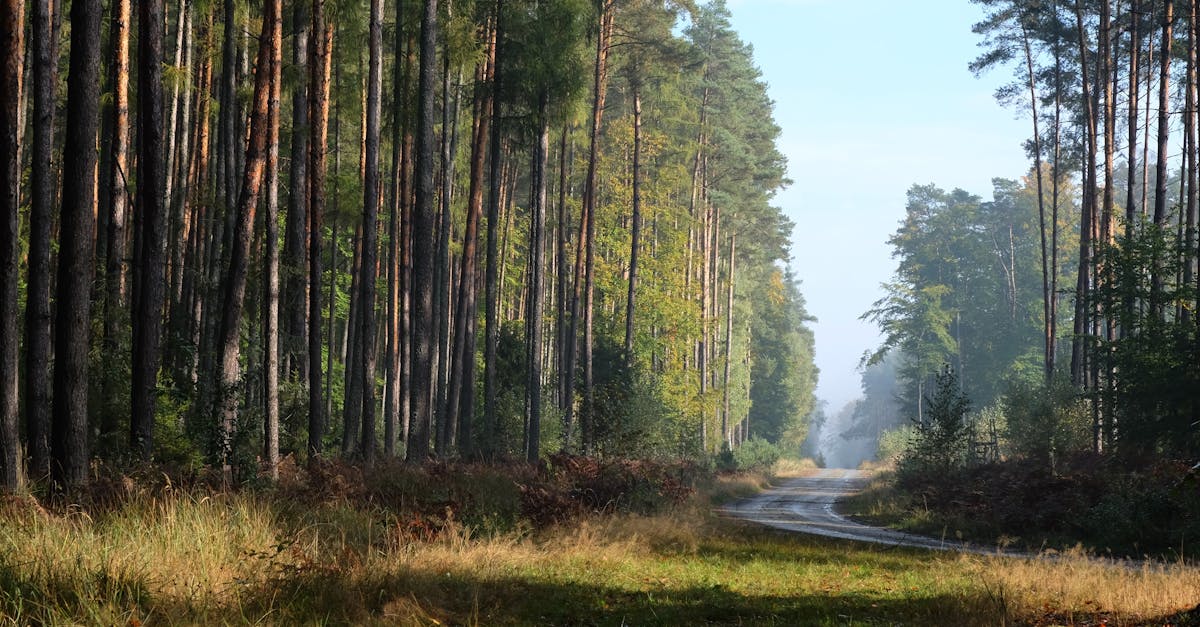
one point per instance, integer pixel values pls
(254, 558)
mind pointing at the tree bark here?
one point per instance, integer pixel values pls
(461, 395)
(536, 302)
(1160, 190)
(295, 244)
(150, 223)
(11, 48)
(423, 239)
(319, 66)
(636, 223)
(41, 217)
(371, 201)
(235, 277)
(729, 436)
(69, 429)
(492, 292)
(271, 300)
(114, 198)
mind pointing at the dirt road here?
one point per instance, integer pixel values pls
(806, 505)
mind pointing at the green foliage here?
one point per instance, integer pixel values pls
(1046, 421)
(941, 435)
(756, 454)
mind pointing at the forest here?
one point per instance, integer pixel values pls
(456, 230)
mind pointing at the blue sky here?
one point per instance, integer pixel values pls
(872, 96)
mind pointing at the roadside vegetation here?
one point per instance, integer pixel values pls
(574, 541)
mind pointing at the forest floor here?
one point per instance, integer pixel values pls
(322, 550)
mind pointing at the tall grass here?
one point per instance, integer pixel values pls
(258, 557)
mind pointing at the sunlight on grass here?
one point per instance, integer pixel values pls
(246, 559)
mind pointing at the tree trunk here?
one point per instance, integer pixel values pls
(274, 9)
(10, 184)
(114, 197)
(1160, 191)
(41, 217)
(461, 395)
(585, 253)
(536, 303)
(69, 429)
(1047, 296)
(636, 223)
(234, 282)
(729, 437)
(492, 293)
(295, 245)
(423, 239)
(1190, 122)
(150, 224)
(1083, 283)
(319, 66)
(562, 345)
(371, 201)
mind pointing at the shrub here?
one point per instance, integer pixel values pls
(756, 453)
(1045, 422)
(939, 442)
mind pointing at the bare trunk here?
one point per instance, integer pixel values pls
(150, 226)
(69, 434)
(371, 201)
(318, 109)
(235, 277)
(295, 245)
(41, 217)
(536, 303)
(423, 238)
(636, 223)
(273, 12)
(11, 32)
(729, 438)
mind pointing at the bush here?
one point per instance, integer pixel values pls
(757, 454)
(1045, 422)
(939, 442)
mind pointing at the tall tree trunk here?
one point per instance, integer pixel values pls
(1083, 283)
(492, 293)
(536, 303)
(1131, 197)
(41, 217)
(114, 197)
(423, 238)
(461, 395)
(1048, 322)
(295, 245)
(1164, 130)
(11, 33)
(69, 429)
(636, 222)
(562, 345)
(150, 224)
(585, 255)
(1190, 123)
(234, 283)
(371, 201)
(318, 109)
(274, 10)
(729, 437)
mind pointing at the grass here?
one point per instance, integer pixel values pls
(254, 557)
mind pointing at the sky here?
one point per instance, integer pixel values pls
(873, 96)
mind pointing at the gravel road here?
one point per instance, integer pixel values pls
(806, 505)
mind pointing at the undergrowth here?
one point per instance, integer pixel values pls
(577, 541)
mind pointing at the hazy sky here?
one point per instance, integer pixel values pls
(873, 96)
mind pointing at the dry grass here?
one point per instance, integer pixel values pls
(1075, 588)
(246, 558)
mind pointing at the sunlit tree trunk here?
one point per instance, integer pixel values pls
(273, 12)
